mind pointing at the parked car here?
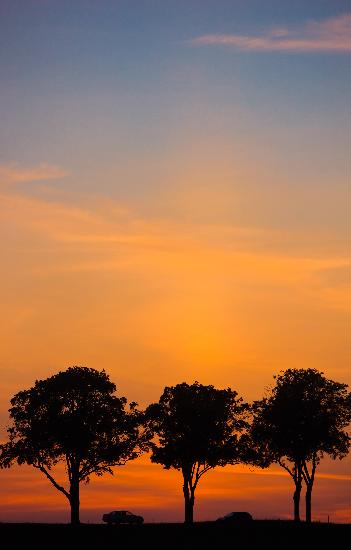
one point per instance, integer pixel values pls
(238, 518)
(122, 516)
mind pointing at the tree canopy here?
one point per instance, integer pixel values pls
(303, 417)
(73, 416)
(197, 428)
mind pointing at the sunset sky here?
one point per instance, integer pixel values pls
(175, 205)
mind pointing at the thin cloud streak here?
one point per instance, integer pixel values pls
(330, 35)
(12, 173)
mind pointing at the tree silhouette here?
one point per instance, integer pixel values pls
(72, 417)
(197, 429)
(303, 418)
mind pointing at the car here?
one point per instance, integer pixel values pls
(122, 516)
(238, 518)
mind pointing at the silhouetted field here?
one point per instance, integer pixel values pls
(261, 534)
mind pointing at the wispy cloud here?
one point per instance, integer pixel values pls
(329, 35)
(13, 173)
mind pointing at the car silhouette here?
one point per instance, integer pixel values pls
(122, 516)
(237, 518)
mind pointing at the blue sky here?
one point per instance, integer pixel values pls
(127, 70)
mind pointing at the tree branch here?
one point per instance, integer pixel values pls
(314, 466)
(69, 467)
(50, 478)
(305, 473)
(200, 474)
(193, 469)
(283, 465)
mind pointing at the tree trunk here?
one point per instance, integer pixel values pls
(189, 511)
(74, 501)
(296, 498)
(308, 499)
(189, 499)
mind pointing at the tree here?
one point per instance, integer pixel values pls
(72, 417)
(197, 428)
(303, 418)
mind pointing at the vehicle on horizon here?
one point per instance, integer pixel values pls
(237, 518)
(119, 517)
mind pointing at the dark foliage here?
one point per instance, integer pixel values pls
(303, 418)
(197, 428)
(73, 417)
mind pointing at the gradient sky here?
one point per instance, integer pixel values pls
(175, 206)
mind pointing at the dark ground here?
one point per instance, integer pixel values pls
(260, 534)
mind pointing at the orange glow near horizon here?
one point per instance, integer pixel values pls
(156, 301)
(221, 273)
(156, 493)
